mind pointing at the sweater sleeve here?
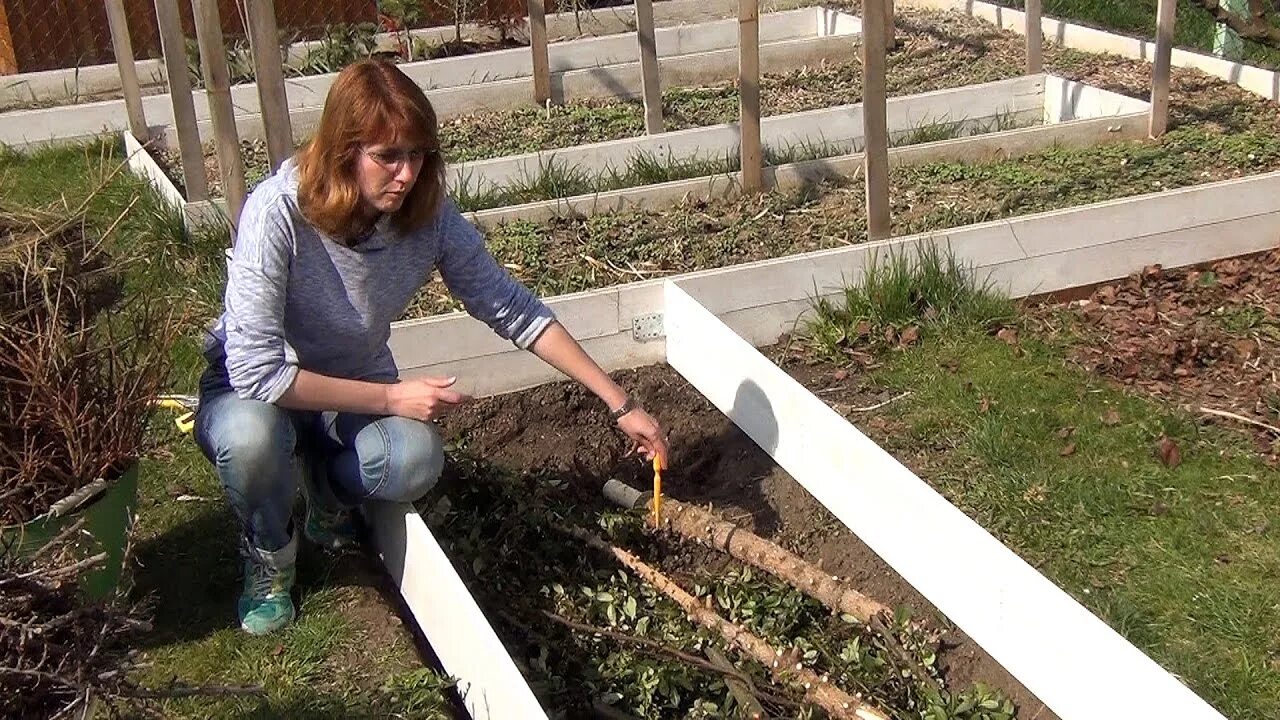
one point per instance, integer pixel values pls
(260, 363)
(487, 291)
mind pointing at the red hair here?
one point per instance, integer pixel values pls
(370, 102)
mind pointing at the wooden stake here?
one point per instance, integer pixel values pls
(122, 45)
(649, 67)
(890, 37)
(173, 45)
(1035, 38)
(749, 94)
(8, 53)
(538, 45)
(217, 86)
(1165, 18)
(785, 667)
(875, 128)
(268, 70)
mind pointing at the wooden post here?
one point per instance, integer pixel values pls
(749, 94)
(8, 53)
(268, 71)
(1166, 15)
(875, 129)
(649, 67)
(173, 45)
(122, 46)
(1035, 38)
(217, 87)
(890, 37)
(538, 45)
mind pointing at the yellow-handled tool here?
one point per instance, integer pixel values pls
(185, 404)
(657, 491)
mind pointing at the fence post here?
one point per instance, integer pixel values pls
(8, 53)
(752, 156)
(1035, 38)
(890, 35)
(217, 86)
(1165, 18)
(173, 46)
(268, 71)
(875, 130)
(122, 46)
(538, 45)
(649, 67)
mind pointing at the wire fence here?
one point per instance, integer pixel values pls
(315, 37)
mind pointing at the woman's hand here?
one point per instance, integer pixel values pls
(646, 433)
(424, 398)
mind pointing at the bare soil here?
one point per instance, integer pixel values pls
(563, 430)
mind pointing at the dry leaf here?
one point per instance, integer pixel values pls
(1111, 418)
(840, 375)
(1066, 432)
(890, 334)
(910, 336)
(1169, 452)
(863, 329)
(984, 407)
(1008, 335)
(1068, 451)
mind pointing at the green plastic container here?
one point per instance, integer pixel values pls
(107, 519)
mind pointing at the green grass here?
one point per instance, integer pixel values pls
(1194, 27)
(1180, 560)
(188, 569)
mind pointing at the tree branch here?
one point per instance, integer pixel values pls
(1256, 27)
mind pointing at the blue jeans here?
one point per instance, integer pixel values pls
(256, 448)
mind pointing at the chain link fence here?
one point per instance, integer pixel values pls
(315, 37)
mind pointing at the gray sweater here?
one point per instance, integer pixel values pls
(295, 298)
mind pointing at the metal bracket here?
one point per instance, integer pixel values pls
(647, 327)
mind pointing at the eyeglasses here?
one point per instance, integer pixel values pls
(395, 158)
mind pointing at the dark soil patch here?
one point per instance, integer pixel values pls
(561, 430)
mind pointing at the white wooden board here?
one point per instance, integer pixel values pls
(491, 686)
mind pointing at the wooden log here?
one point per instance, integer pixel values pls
(749, 94)
(268, 71)
(538, 46)
(173, 46)
(785, 667)
(122, 46)
(1166, 15)
(694, 523)
(1035, 38)
(649, 67)
(217, 86)
(8, 53)
(874, 119)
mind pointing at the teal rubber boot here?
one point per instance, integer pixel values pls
(327, 522)
(266, 602)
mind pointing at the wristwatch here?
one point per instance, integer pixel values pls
(627, 407)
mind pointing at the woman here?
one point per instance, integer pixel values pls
(301, 386)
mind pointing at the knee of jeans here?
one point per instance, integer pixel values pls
(252, 436)
(413, 458)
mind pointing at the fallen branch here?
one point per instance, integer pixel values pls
(877, 406)
(1241, 418)
(785, 667)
